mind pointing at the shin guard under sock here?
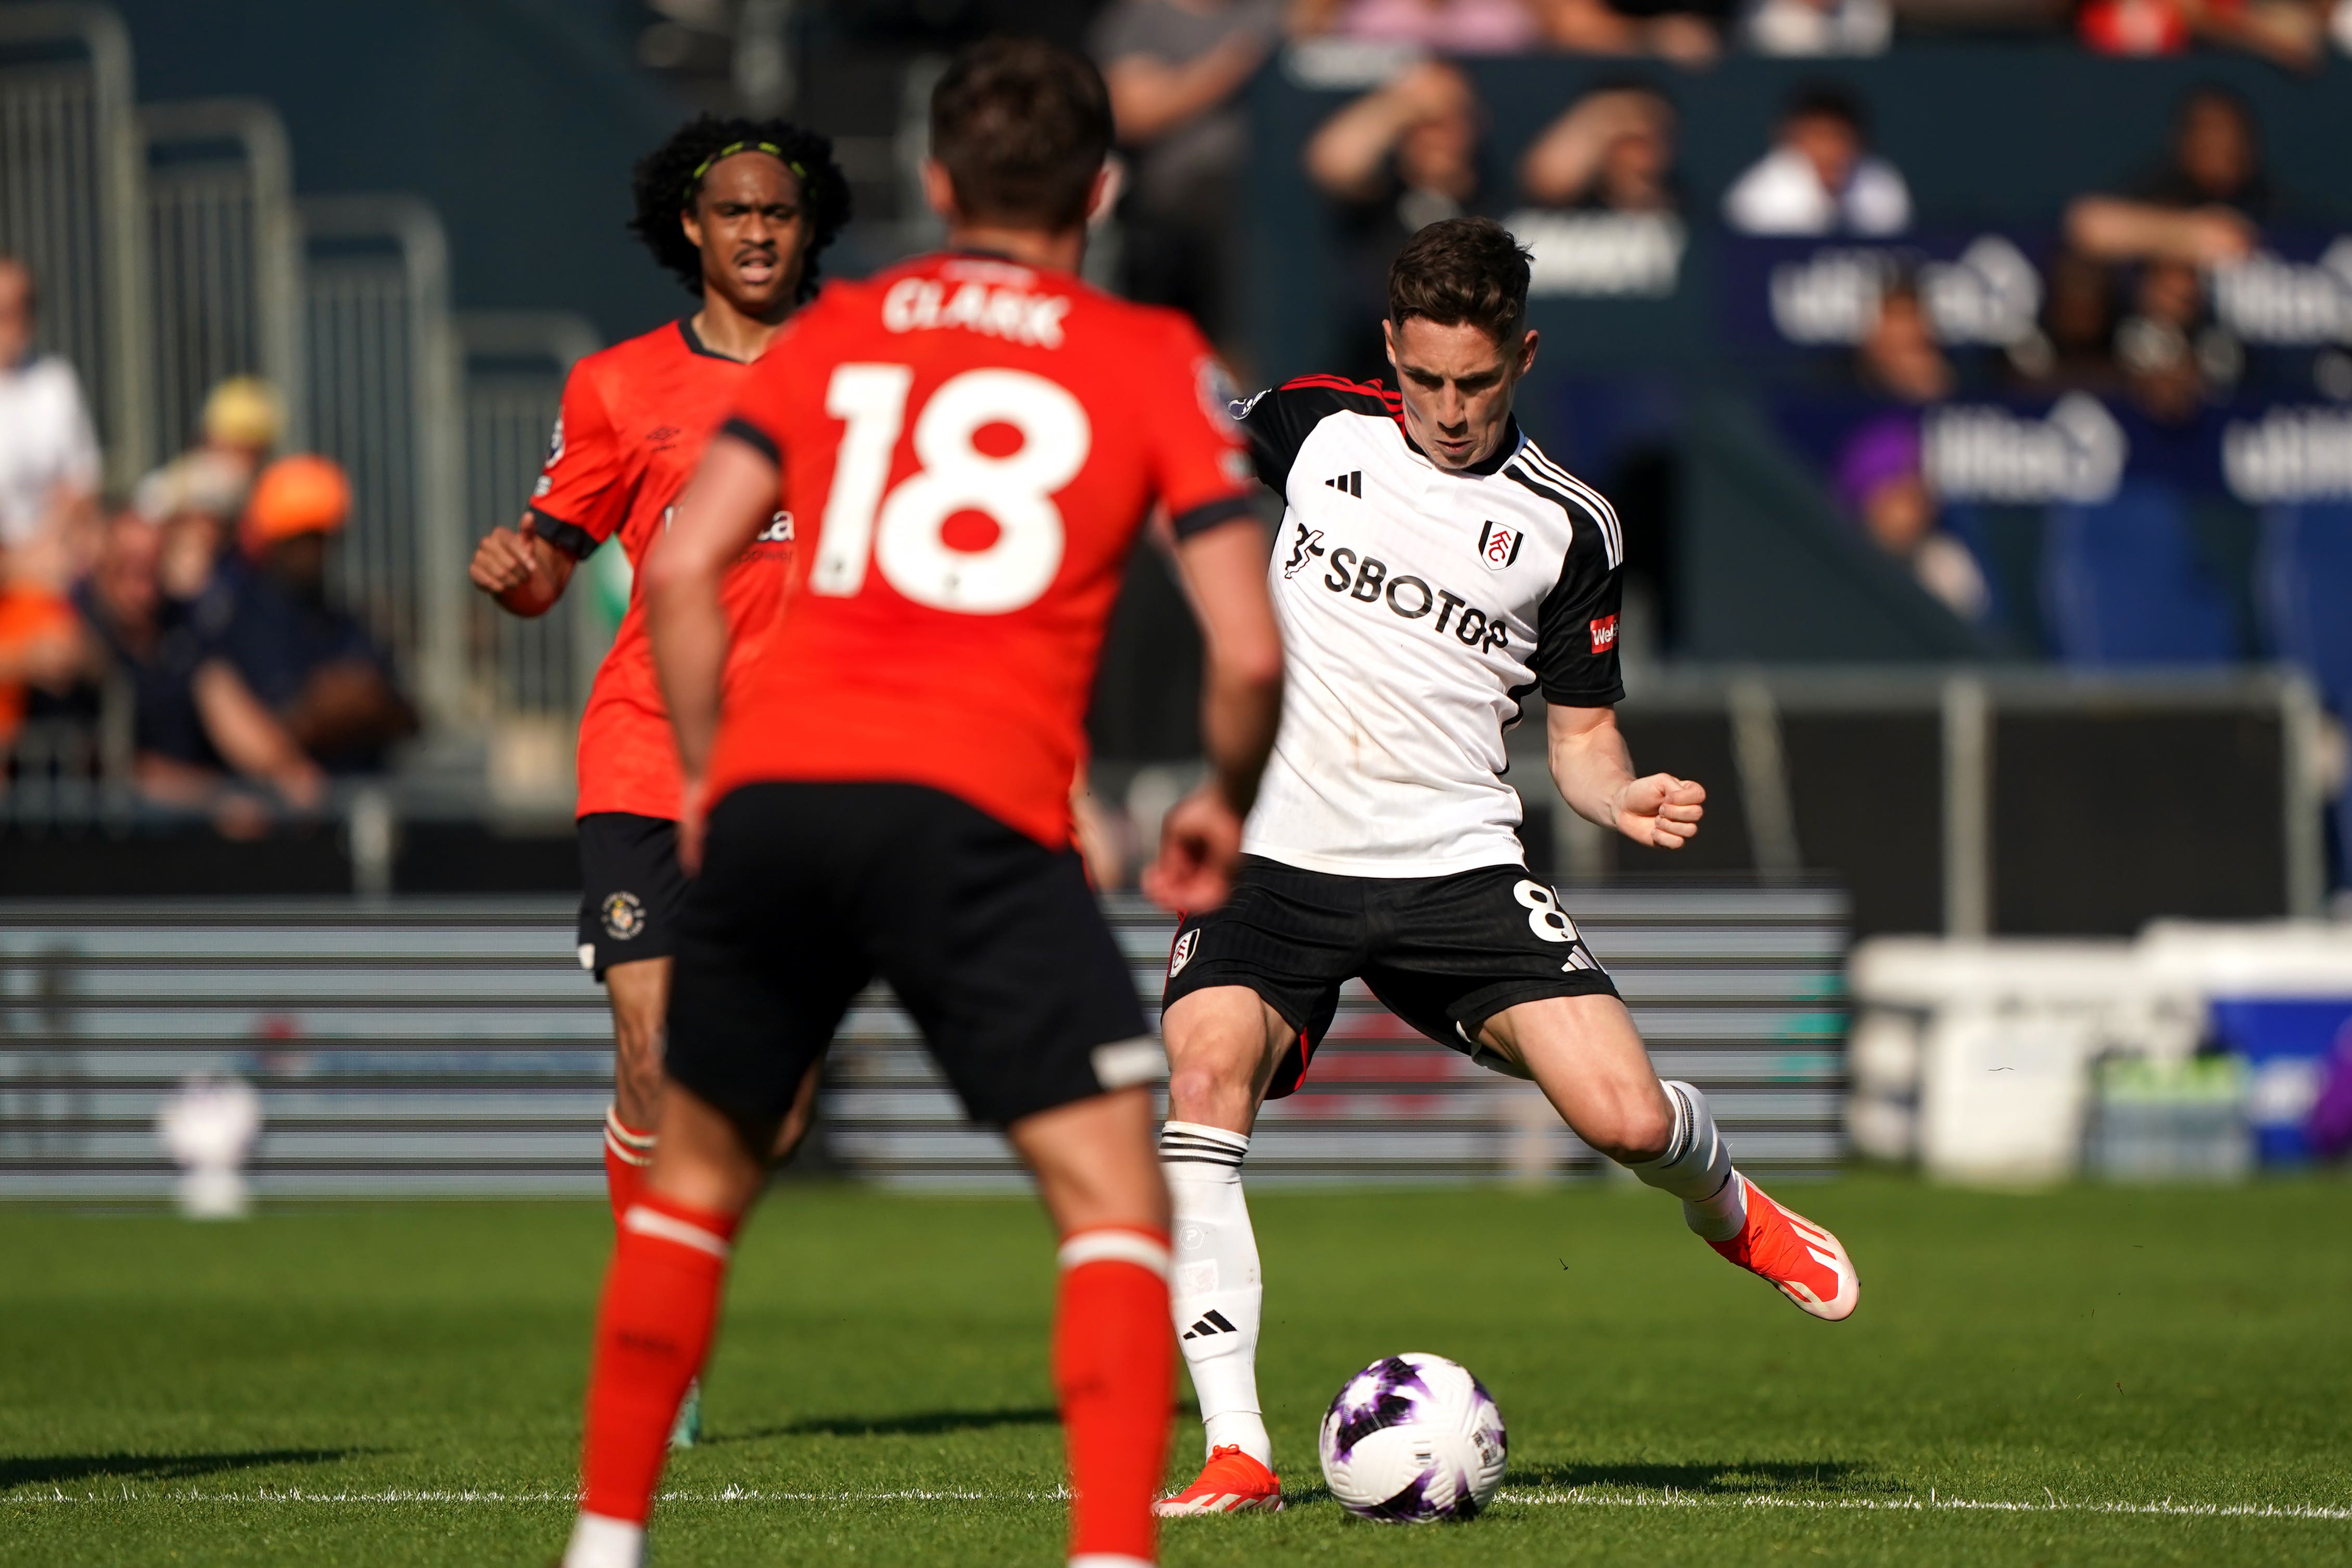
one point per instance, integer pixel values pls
(1696, 1168)
(1217, 1294)
(1117, 1380)
(652, 1331)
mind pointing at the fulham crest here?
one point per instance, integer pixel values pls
(1499, 545)
(1183, 954)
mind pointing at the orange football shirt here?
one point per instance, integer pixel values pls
(635, 420)
(969, 445)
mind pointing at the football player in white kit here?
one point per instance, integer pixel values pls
(1435, 567)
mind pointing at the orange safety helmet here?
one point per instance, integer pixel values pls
(294, 496)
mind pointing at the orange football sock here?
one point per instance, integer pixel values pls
(653, 1330)
(629, 1155)
(1115, 1368)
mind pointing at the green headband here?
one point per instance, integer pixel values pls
(732, 148)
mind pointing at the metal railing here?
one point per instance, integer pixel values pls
(227, 255)
(1966, 703)
(382, 395)
(70, 206)
(514, 365)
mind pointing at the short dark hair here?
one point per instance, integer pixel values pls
(1022, 127)
(670, 178)
(1828, 101)
(1462, 269)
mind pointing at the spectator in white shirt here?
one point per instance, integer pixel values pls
(1820, 177)
(48, 454)
(1797, 27)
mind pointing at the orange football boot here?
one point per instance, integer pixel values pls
(1231, 1482)
(1801, 1260)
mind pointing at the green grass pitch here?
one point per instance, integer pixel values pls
(2088, 1376)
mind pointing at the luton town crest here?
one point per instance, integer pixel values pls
(624, 916)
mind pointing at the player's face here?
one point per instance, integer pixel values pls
(753, 234)
(1457, 385)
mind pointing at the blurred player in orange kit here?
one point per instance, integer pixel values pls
(739, 210)
(970, 442)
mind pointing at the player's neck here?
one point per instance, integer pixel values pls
(724, 329)
(1059, 252)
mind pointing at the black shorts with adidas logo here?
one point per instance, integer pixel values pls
(1445, 954)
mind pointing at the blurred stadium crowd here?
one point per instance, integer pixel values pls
(2116, 434)
(190, 622)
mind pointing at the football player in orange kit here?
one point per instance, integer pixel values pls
(969, 441)
(739, 210)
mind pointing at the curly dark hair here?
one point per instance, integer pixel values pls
(669, 178)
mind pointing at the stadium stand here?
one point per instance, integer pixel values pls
(2125, 583)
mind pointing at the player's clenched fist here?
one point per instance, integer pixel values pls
(515, 567)
(503, 562)
(1200, 848)
(1661, 810)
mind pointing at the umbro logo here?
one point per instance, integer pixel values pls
(1208, 1324)
(662, 435)
(1351, 483)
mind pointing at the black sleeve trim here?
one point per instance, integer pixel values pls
(569, 537)
(1203, 518)
(1278, 420)
(1585, 600)
(752, 436)
(1567, 698)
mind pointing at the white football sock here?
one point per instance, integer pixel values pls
(1214, 1289)
(1696, 1168)
(601, 1543)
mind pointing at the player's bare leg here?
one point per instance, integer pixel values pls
(1223, 1045)
(1099, 1178)
(1584, 1053)
(639, 992)
(654, 1323)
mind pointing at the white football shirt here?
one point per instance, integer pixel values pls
(1418, 606)
(46, 443)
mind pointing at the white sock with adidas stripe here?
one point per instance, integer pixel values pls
(1697, 1167)
(1215, 1285)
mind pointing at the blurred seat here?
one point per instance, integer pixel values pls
(2125, 582)
(2303, 585)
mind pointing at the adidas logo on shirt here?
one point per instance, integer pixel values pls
(1348, 484)
(1213, 1323)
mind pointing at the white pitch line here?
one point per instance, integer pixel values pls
(1932, 1504)
(1576, 1498)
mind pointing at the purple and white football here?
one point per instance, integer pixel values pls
(1413, 1439)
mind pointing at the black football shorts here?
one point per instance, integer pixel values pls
(992, 943)
(631, 888)
(1444, 953)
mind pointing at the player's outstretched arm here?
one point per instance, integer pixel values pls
(732, 497)
(1223, 570)
(522, 571)
(1594, 771)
